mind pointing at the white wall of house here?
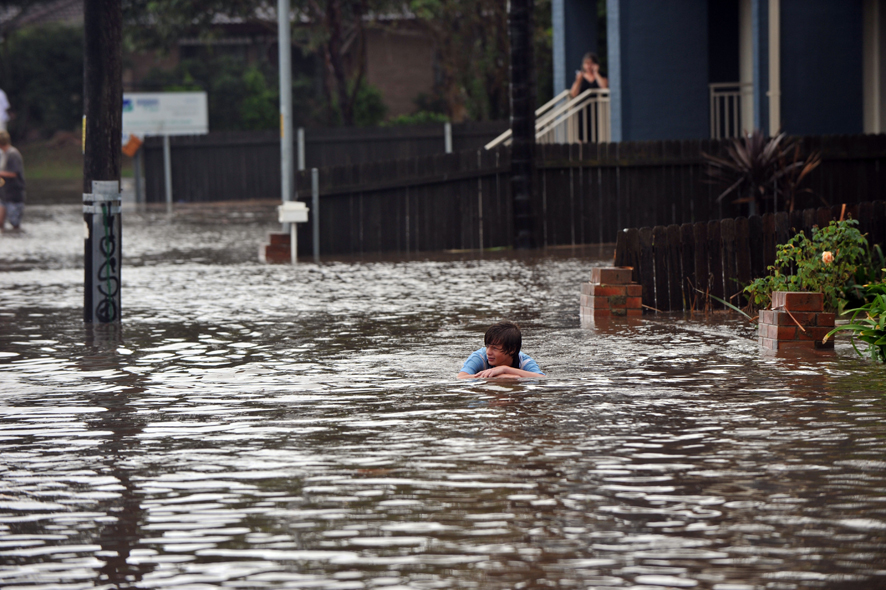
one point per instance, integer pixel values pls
(874, 64)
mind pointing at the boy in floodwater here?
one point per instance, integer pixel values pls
(501, 356)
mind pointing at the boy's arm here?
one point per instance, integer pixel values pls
(506, 372)
(473, 365)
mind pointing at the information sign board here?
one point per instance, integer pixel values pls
(165, 113)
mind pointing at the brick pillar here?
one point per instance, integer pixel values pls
(277, 250)
(796, 320)
(611, 292)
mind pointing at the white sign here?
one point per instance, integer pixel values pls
(165, 113)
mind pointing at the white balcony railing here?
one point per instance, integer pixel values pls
(584, 118)
(730, 104)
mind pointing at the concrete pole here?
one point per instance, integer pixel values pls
(447, 137)
(746, 64)
(285, 58)
(102, 134)
(315, 211)
(774, 67)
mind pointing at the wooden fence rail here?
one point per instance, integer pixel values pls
(584, 193)
(721, 257)
(246, 165)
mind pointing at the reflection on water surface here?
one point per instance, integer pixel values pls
(255, 426)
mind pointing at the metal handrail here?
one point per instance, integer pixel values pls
(540, 111)
(549, 115)
(570, 108)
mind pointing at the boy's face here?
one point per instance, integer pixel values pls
(497, 357)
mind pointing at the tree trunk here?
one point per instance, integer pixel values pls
(336, 61)
(522, 122)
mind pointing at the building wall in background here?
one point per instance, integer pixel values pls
(658, 66)
(821, 66)
(400, 63)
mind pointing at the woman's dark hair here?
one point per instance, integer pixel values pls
(507, 335)
(592, 57)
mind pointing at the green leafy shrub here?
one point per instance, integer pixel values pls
(260, 106)
(41, 69)
(827, 262)
(369, 107)
(871, 326)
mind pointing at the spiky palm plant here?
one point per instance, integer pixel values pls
(758, 170)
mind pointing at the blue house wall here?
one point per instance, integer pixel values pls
(821, 72)
(662, 54)
(658, 69)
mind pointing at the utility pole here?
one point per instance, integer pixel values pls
(522, 74)
(287, 178)
(102, 134)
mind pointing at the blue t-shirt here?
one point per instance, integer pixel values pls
(479, 362)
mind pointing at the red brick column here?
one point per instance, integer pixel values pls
(796, 320)
(277, 250)
(611, 292)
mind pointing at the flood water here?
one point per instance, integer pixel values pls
(257, 426)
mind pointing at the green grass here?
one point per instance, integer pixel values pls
(54, 170)
(55, 160)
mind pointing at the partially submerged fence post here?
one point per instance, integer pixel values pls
(167, 172)
(315, 205)
(301, 149)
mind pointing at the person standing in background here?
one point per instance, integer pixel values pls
(588, 76)
(12, 194)
(4, 108)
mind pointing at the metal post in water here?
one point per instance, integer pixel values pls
(167, 172)
(102, 252)
(284, 46)
(293, 242)
(137, 173)
(315, 210)
(301, 148)
(447, 136)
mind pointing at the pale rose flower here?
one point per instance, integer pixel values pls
(827, 257)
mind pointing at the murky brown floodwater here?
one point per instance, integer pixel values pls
(258, 426)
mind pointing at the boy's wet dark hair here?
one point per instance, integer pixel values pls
(507, 335)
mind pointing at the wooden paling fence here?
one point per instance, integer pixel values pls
(246, 164)
(584, 193)
(721, 257)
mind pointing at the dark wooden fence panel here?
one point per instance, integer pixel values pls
(716, 265)
(675, 272)
(718, 257)
(660, 244)
(584, 193)
(246, 165)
